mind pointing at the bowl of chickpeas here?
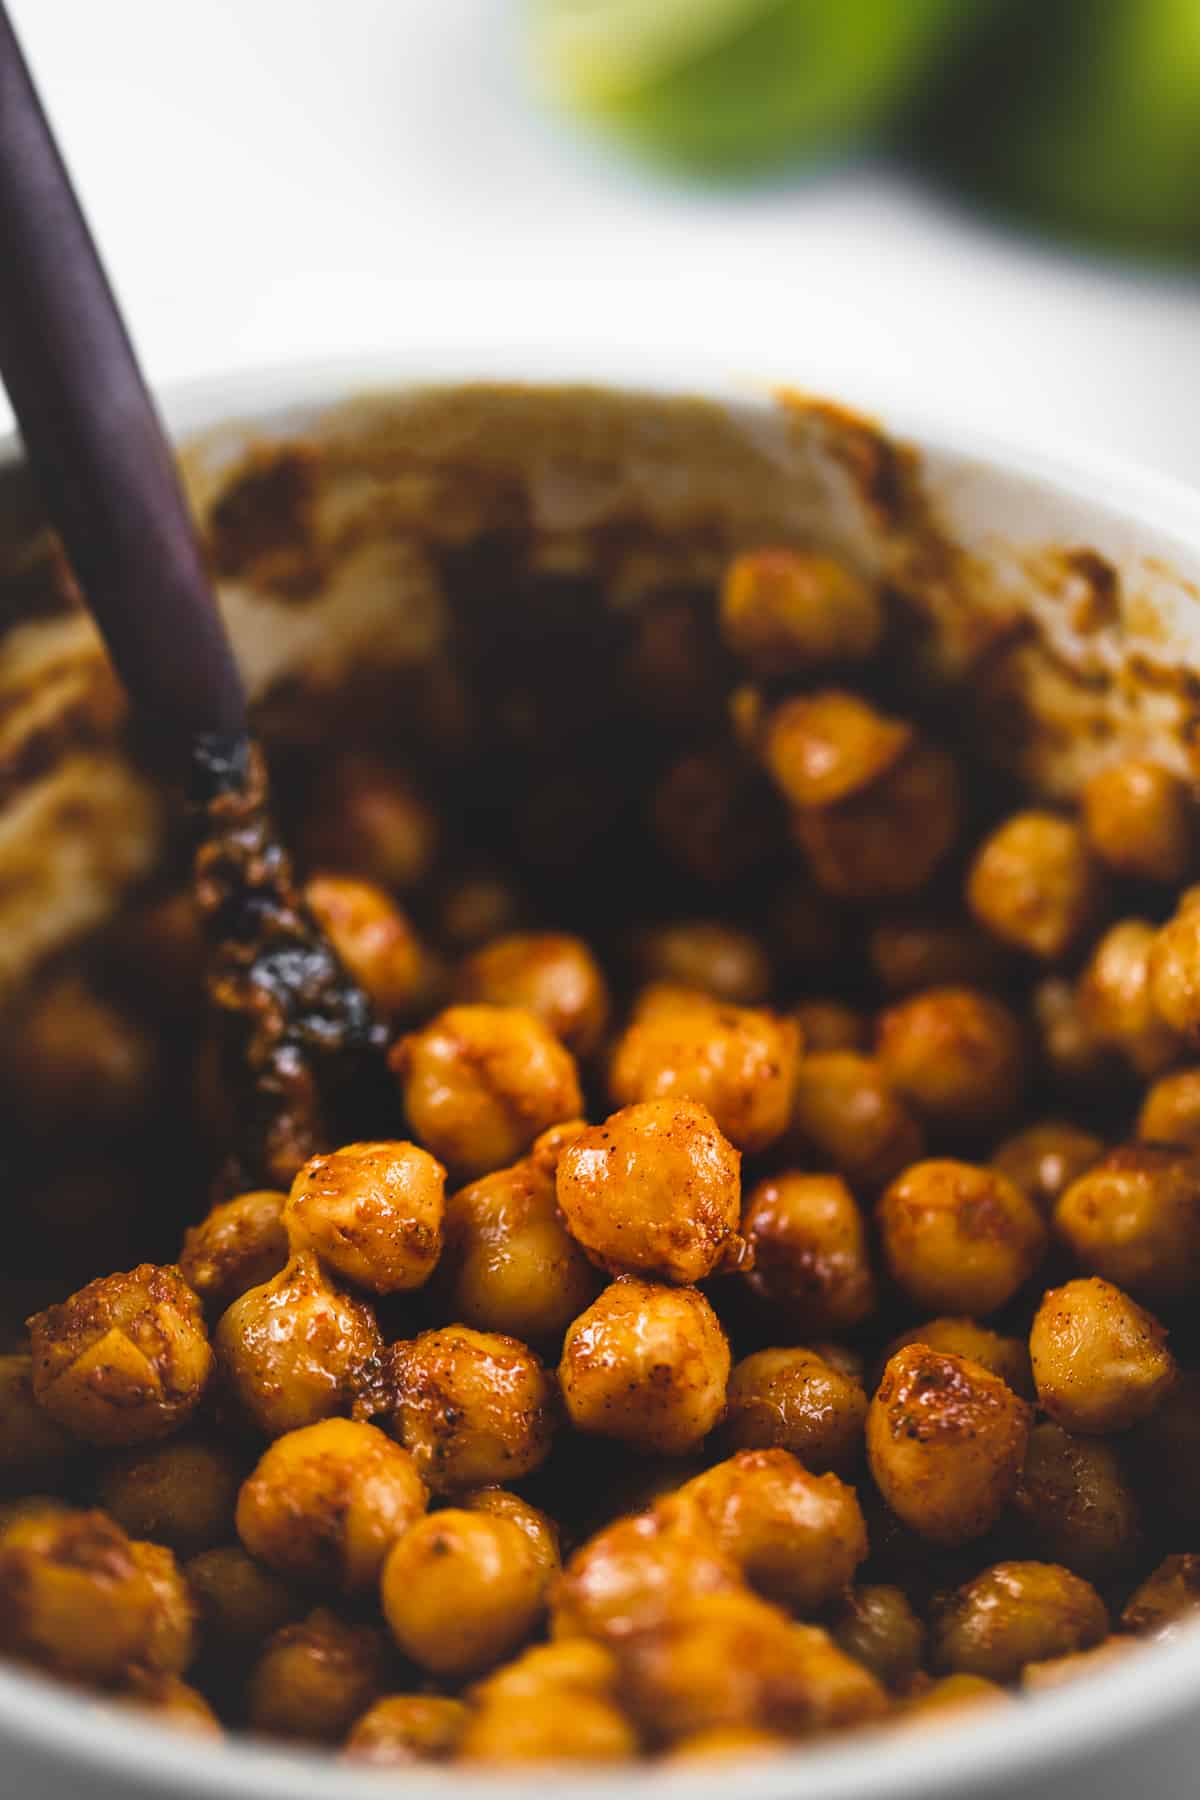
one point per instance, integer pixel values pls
(754, 1332)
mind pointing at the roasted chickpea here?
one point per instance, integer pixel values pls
(656, 1188)
(33, 1446)
(830, 1025)
(549, 973)
(1171, 1110)
(1016, 1613)
(570, 1665)
(471, 1407)
(877, 1626)
(181, 1493)
(538, 1526)
(1075, 1502)
(717, 958)
(172, 1642)
(809, 1244)
(958, 1236)
(950, 1695)
(76, 1061)
(846, 1114)
(1043, 1160)
(480, 1082)
(630, 1575)
(548, 1146)
(238, 1245)
(1035, 884)
(326, 1503)
(315, 1678)
(1007, 1357)
(1100, 1361)
(366, 817)
(408, 1728)
(372, 938)
(911, 954)
(786, 611)
(822, 748)
(794, 1400)
(1077, 1665)
(1139, 820)
(1116, 1002)
(171, 1702)
(371, 1212)
(955, 1054)
(1167, 1599)
(728, 1743)
(239, 1603)
(946, 1441)
(1175, 969)
(556, 1728)
(1071, 1052)
(1134, 1218)
(885, 842)
(647, 1365)
(461, 1590)
(124, 1360)
(293, 1350)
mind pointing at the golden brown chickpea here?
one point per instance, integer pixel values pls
(538, 1526)
(559, 1728)
(830, 1025)
(1100, 1361)
(480, 1082)
(571, 1665)
(461, 1590)
(172, 1642)
(955, 1054)
(821, 748)
(959, 1237)
(1175, 969)
(408, 1728)
(124, 1360)
(1116, 1002)
(171, 1701)
(1134, 1218)
(1007, 1357)
(293, 1350)
(1171, 1110)
(373, 939)
(1035, 884)
(1078, 1665)
(656, 1188)
(552, 975)
(548, 1146)
(315, 1678)
(76, 1062)
(238, 1602)
(33, 1447)
(1071, 1052)
(1076, 1503)
(911, 954)
(1016, 1613)
(238, 1245)
(720, 959)
(794, 1400)
(1166, 1450)
(885, 842)
(950, 1695)
(372, 1213)
(796, 1537)
(181, 1493)
(326, 1503)
(365, 817)
(647, 1365)
(471, 1407)
(946, 1441)
(1139, 820)
(728, 1743)
(1167, 1599)
(1044, 1159)
(847, 1114)
(785, 611)
(809, 1244)
(877, 1626)
(630, 1575)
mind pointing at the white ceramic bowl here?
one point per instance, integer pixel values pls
(1133, 1729)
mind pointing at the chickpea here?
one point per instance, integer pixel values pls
(181, 1493)
(809, 1245)
(123, 1361)
(33, 1447)
(794, 1400)
(877, 1626)
(1007, 1357)
(293, 1350)
(1076, 1504)
(1168, 1449)
(728, 1743)
(1134, 1218)
(76, 1062)
(1016, 1613)
(830, 1025)
(1077, 1665)
(172, 1641)
(553, 976)
(1100, 1361)
(326, 1503)
(371, 1212)
(471, 1407)
(548, 1146)
(560, 1728)
(315, 1678)
(408, 1728)
(717, 958)
(786, 611)
(239, 1604)
(1171, 1110)
(1117, 1004)
(461, 1590)
(171, 1702)
(712, 818)
(538, 1526)
(1035, 884)
(959, 1237)
(572, 1665)
(480, 1082)
(885, 842)
(656, 1188)
(1167, 1599)
(631, 1575)
(238, 1245)
(846, 1112)
(1139, 820)
(911, 954)
(647, 1365)
(366, 817)
(1043, 1160)
(1070, 1050)
(822, 748)
(946, 1440)
(955, 1054)
(1175, 969)
(372, 938)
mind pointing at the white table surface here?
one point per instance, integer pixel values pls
(282, 179)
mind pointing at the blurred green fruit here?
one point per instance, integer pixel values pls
(725, 84)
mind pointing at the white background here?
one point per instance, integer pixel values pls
(280, 179)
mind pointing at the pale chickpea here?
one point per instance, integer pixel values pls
(657, 1189)
(1100, 1361)
(408, 1728)
(170, 1701)
(1071, 1053)
(538, 1526)
(911, 953)
(295, 1349)
(1076, 1503)
(372, 1212)
(830, 1025)
(1116, 1002)
(647, 1365)
(885, 842)
(461, 1590)
(877, 1626)
(808, 1238)
(125, 1360)
(955, 1054)
(629, 1576)
(720, 959)
(946, 1440)
(1044, 1159)
(480, 1082)
(238, 1245)
(959, 1237)
(181, 1493)
(1140, 820)
(33, 1446)
(366, 817)
(1035, 884)
(326, 1503)
(1007, 1357)
(845, 1114)
(822, 748)
(1167, 1599)
(1175, 970)
(792, 1399)
(1171, 1110)
(1016, 1613)
(373, 940)
(552, 975)
(1134, 1218)
(239, 1603)
(75, 1062)
(471, 1407)
(315, 1678)
(786, 611)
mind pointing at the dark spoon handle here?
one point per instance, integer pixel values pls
(95, 441)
